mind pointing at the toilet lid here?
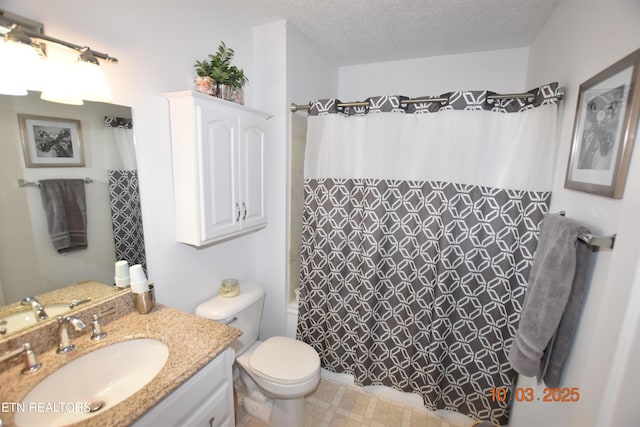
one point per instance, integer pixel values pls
(284, 360)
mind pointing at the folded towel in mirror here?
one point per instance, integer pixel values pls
(64, 203)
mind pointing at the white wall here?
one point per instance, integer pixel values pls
(311, 73)
(157, 46)
(618, 409)
(580, 39)
(291, 68)
(270, 59)
(498, 70)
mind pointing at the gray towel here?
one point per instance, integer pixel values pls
(554, 297)
(65, 207)
(557, 351)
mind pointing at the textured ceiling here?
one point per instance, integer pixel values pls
(364, 31)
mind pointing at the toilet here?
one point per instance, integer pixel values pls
(277, 372)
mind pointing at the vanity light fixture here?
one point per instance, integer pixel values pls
(19, 49)
(63, 79)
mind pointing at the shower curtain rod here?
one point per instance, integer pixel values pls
(559, 94)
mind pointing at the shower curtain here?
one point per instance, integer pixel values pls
(419, 227)
(124, 195)
(126, 216)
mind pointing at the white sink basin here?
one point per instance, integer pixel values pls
(98, 380)
(22, 319)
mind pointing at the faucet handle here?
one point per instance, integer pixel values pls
(98, 333)
(30, 362)
(74, 303)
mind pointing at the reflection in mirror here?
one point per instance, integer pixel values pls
(30, 265)
(34, 311)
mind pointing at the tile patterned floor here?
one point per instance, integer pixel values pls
(337, 405)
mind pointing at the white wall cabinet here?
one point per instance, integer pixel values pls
(218, 167)
(204, 400)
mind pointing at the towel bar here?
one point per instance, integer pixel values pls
(598, 241)
(595, 241)
(23, 183)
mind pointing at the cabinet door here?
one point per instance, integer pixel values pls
(252, 145)
(214, 411)
(204, 400)
(218, 171)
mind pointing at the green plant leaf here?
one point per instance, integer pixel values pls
(219, 68)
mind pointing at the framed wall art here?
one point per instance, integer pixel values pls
(604, 129)
(50, 141)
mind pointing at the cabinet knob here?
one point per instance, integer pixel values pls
(244, 209)
(211, 421)
(238, 212)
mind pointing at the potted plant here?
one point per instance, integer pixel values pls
(218, 76)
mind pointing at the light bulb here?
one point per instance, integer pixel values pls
(90, 79)
(61, 86)
(22, 67)
(11, 80)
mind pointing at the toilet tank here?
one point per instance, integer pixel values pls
(244, 311)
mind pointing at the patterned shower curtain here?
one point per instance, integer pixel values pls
(419, 228)
(126, 217)
(124, 195)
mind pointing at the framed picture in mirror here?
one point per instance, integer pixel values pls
(51, 142)
(604, 129)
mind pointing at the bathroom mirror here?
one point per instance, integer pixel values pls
(29, 263)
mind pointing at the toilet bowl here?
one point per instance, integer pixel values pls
(277, 372)
(283, 367)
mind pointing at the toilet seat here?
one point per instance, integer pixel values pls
(283, 360)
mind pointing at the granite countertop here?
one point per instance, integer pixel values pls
(192, 341)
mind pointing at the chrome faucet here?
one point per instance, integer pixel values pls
(64, 342)
(37, 308)
(30, 362)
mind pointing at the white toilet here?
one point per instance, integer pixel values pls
(278, 372)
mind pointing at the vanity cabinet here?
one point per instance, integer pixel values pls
(218, 150)
(204, 400)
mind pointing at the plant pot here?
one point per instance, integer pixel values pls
(225, 92)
